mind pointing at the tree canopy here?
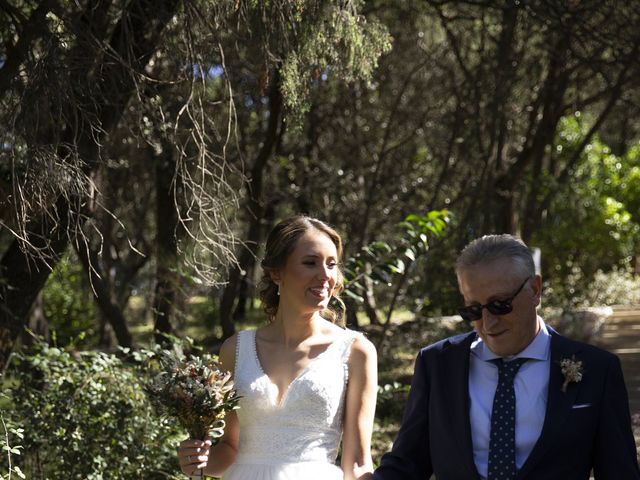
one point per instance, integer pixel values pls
(151, 145)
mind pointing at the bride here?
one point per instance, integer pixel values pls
(305, 382)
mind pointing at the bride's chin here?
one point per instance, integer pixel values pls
(320, 306)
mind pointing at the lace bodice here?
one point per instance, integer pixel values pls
(306, 425)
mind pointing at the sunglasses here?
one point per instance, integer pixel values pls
(472, 313)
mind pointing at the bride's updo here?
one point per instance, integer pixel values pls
(281, 242)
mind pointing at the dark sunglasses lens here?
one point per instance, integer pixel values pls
(470, 314)
(499, 308)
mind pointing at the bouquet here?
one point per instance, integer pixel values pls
(194, 389)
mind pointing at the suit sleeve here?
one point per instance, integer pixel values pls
(615, 455)
(410, 457)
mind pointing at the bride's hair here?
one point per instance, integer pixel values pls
(281, 241)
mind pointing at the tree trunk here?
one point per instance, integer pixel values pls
(133, 41)
(508, 183)
(38, 324)
(351, 319)
(102, 294)
(370, 299)
(166, 245)
(227, 302)
(240, 311)
(22, 276)
(105, 333)
(255, 209)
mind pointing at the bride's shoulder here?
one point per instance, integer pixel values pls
(230, 345)
(227, 353)
(362, 346)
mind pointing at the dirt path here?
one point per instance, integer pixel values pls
(621, 335)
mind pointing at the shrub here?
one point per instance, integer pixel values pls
(67, 303)
(10, 436)
(391, 401)
(85, 416)
(618, 286)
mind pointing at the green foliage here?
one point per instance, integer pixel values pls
(380, 262)
(67, 303)
(595, 226)
(85, 416)
(9, 449)
(204, 311)
(618, 286)
(418, 229)
(335, 39)
(391, 401)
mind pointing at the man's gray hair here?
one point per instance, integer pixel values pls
(489, 248)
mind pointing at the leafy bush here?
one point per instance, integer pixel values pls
(391, 401)
(618, 286)
(9, 436)
(85, 416)
(592, 229)
(579, 307)
(393, 264)
(67, 303)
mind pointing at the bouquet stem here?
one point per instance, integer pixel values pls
(201, 431)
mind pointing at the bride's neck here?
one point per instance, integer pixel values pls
(292, 330)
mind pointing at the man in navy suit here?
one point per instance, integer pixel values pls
(567, 411)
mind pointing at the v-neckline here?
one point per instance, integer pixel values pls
(279, 403)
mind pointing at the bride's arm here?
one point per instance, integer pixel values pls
(194, 454)
(360, 406)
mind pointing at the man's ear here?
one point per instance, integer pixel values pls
(537, 288)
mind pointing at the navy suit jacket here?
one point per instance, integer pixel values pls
(435, 436)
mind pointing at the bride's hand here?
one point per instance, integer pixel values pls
(193, 455)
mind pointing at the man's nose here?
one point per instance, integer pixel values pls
(488, 319)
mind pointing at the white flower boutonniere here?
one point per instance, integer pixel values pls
(572, 371)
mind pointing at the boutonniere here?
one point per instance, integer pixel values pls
(572, 371)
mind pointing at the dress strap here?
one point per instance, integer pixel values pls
(347, 341)
(244, 352)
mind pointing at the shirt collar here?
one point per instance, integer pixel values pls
(538, 349)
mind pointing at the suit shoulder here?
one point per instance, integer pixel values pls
(462, 340)
(599, 352)
(590, 353)
(582, 346)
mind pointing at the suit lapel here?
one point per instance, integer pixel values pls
(454, 370)
(559, 403)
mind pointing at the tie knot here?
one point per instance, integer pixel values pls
(507, 370)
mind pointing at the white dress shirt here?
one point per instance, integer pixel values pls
(531, 386)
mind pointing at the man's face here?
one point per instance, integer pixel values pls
(510, 333)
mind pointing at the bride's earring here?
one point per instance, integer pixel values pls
(278, 289)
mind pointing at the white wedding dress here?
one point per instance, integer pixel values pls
(297, 439)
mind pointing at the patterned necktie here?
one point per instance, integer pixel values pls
(502, 441)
